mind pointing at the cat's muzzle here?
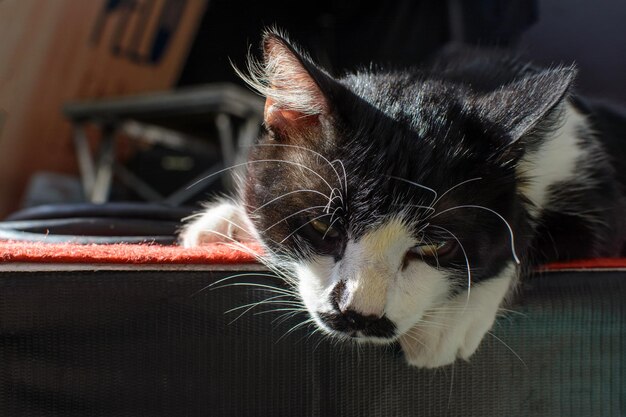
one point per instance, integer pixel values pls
(347, 321)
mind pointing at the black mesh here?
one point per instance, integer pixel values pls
(139, 343)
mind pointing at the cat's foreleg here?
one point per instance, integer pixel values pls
(456, 328)
(220, 221)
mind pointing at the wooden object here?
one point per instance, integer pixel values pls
(57, 51)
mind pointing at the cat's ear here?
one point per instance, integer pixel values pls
(518, 107)
(292, 85)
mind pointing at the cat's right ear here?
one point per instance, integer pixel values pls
(292, 85)
(520, 106)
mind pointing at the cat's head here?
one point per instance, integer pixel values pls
(386, 193)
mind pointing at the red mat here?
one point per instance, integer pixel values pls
(124, 253)
(158, 254)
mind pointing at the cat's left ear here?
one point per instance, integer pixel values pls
(293, 86)
(518, 107)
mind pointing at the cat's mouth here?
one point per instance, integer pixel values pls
(356, 326)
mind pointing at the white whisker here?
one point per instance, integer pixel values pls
(315, 153)
(455, 186)
(297, 326)
(509, 348)
(249, 307)
(258, 161)
(290, 193)
(274, 310)
(293, 215)
(493, 212)
(247, 274)
(467, 263)
(416, 185)
(305, 224)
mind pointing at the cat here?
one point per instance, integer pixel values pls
(406, 204)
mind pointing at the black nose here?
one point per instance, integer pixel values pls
(346, 320)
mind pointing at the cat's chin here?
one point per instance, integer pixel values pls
(359, 337)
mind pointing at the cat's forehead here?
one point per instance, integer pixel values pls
(408, 97)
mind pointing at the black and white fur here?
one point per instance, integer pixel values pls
(481, 152)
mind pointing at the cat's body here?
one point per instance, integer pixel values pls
(405, 204)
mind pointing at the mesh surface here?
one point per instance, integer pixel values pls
(140, 343)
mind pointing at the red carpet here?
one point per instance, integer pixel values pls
(124, 254)
(158, 254)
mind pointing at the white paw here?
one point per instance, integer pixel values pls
(440, 343)
(220, 222)
(456, 329)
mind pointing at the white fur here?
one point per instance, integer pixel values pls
(283, 80)
(556, 159)
(222, 221)
(432, 330)
(456, 328)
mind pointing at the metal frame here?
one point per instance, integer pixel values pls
(221, 102)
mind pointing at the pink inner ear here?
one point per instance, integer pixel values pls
(284, 119)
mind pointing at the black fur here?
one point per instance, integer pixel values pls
(469, 117)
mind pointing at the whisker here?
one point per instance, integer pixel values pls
(293, 215)
(192, 216)
(290, 193)
(416, 185)
(253, 284)
(316, 330)
(247, 274)
(493, 212)
(450, 391)
(332, 222)
(469, 271)
(508, 347)
(258, 161)
(249, 307)
(315, 153)
(455, 186)
(448, 309)
(345, 175)
(297, 326)
(271, 300)
(330, 201)
(509, 311)
(239, 246)
(433, 324)
(415, 338)
(286, 316)
(296, 230)
(274, 310)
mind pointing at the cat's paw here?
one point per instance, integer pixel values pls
(455, 329)
(220, 222)
(440, 343)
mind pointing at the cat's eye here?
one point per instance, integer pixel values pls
(432, 250)
(324, 229)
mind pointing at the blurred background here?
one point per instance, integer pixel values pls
(136, 100)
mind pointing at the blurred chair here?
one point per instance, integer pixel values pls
(178, 119)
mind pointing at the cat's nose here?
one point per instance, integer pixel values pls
(338, 296)
(347, 320)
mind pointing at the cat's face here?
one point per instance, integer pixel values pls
(385, 194)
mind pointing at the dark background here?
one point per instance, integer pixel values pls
(342, 35)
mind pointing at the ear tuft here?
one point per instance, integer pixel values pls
(289, 81)
(521, 105)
